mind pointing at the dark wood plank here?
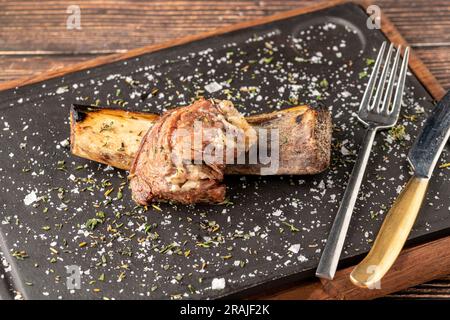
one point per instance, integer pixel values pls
(18, 66)
(438, 61)
(125, 24)
(109, 25)
(423, 23)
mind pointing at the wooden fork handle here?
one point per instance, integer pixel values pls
(392, 235)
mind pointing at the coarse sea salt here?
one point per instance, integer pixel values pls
(64, 143)
(295, 248)
(62, 90)
(218, 284)
(345, 151)
(213, 87)
(30, 198)
(345, 94)
(277, 213)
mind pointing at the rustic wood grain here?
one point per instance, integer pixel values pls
(33, 38)
(438, 62)
(19, 66)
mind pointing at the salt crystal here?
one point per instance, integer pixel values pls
(277, 213)
(62, 90)
(30, 198)
(321, 185)
(344, 151)
(213, 87)
(345, 94)
(64, 143)
(295, 248)
(218, 284)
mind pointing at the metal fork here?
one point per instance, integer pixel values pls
(376, 114)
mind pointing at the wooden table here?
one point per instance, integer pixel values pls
(34, 38)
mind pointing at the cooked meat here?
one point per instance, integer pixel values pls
(305, 133)
(182, 156)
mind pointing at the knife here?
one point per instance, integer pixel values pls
(400, 219)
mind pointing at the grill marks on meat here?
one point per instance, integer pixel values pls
(182, 157)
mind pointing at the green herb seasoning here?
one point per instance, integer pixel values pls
(292, 228)
(398, 133)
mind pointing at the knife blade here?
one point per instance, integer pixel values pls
(423, 156)
(428, 146)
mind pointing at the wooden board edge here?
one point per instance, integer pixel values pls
(414, 266)
(156, 47)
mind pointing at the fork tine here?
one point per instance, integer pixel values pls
(390, 86)
(370, 85)
(400, 84)
(382, 81)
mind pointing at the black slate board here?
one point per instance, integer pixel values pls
(270, 66)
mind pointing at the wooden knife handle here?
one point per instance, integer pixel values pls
(392, 235)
